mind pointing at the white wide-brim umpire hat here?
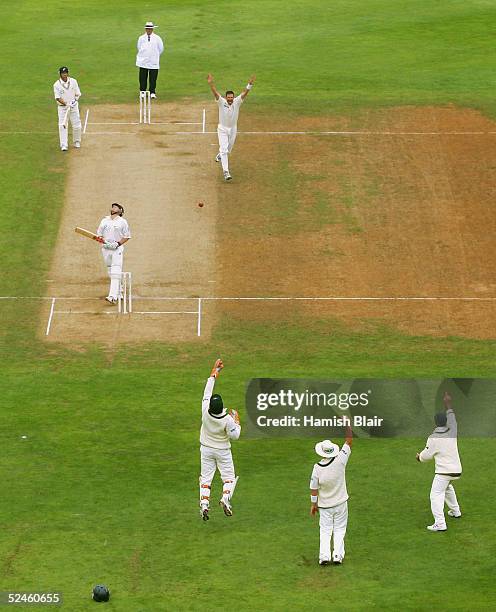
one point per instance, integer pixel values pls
(327, 449)
(150, 24)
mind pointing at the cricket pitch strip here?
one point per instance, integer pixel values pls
(159, 181)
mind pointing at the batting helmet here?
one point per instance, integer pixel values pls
(63, 69)
(121, 208)
(216, 404)
(101, 593)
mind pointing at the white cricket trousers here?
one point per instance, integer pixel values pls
(332, 521)
(443, 491)
(75, 121)
(113, 260)
(211, 460)
(227, 138)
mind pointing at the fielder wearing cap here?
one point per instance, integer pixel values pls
(67, 93)
(329, 497)
(150, 48)
(217, 429)
(442, 446)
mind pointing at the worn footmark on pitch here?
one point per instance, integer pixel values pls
(366, 216)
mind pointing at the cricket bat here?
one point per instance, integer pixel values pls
(88, 234)
(66, 118)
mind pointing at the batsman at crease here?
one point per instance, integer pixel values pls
(114, 229)
(218, 428)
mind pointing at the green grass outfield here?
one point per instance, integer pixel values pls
(105, 486)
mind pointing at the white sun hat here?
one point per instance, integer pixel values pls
(150, 24)
(327, 449)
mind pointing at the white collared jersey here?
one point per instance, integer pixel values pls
(216, 430)
(150, 47)
(68, 91)
(228, 114)
(329, 478)
(113, 229)
(442, 446)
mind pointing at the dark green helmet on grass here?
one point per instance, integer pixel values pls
(216, 404)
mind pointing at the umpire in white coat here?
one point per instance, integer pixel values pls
(217, 429)
(329, 497)
(150, 48)
(442, 446)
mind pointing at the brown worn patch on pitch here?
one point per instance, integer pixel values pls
(403, 209)
(159, 178)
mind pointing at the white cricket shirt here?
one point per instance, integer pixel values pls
(228, 114)
(150, 49)
(68, 90)
(329, 478)
(113, 229)
(216, 430)
(442, 446)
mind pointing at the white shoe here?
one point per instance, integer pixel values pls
(337, 560)
(324, 561)
(227, 176)
(111, 300)
(217, 157)
(153, 96)
(77, 144)
(204, 513)
(226, 506)
(64, 148)
(437, 527)
(452, 513)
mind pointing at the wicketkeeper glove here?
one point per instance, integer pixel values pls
(111, 246)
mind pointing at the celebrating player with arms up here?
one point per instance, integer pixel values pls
(114, 229)
(228, 120)
(442, 446)
(218, 428)
(329, 497)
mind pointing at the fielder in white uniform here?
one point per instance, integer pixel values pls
(218, 428)
(67, 93)
(329, 497)
(150, 48)
(115, 230)
(228, 121)
(442, 446)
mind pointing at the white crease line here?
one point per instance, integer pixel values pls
(37, 297)
(50, 317)
(21, 133)
(268, 133)
(281, 298)
(87, 312)
(110, 133)
(166, 312)
(363, 299)
(114, 123)
(86, 120)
